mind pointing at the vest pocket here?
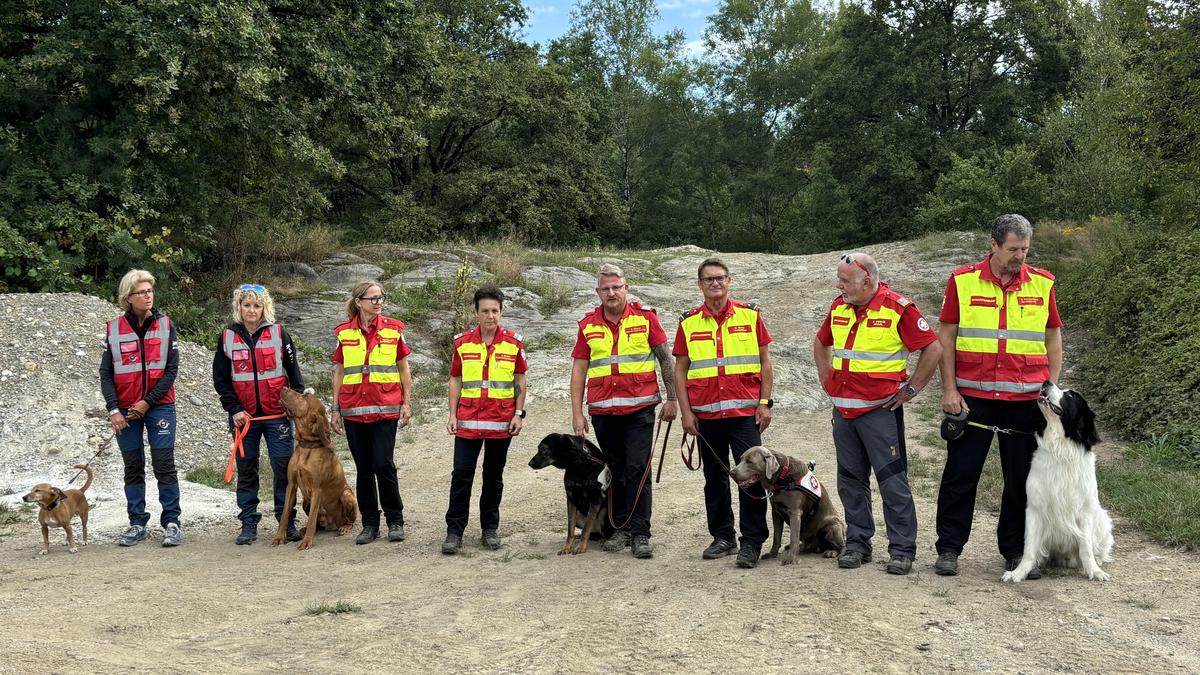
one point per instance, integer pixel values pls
(153, 349)
(265, 358)
(1037, 360)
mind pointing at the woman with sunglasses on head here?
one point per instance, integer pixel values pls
(137, 378)
(371, 386)
(254, 361)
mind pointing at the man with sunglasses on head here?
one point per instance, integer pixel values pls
(1002, 338)
(861, 352)
(721, 353)
(615, 352)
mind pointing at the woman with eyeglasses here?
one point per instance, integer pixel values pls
(371, 387)
(137, 378)
(254, 362)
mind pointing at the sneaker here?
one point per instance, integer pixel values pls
(642, 548)
(292, 533)
(173, 536)
(852, 560)
(748, 556)
(369, 534)
(718, 548)
(619, 541)
(899, 565)
(1011, 564)
(491, 539)
(396, 532)
(452, 544)
(132, 535)
(248, 534)
(946, 565)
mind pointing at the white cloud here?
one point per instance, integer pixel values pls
(680, 4)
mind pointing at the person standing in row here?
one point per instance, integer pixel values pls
(615, 352)
(861, 352)
(371, 390)
(721, 353)
(137, 378)
(487, 409)
(254, 362)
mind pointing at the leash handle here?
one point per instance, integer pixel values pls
(720, 463)
(663, 452)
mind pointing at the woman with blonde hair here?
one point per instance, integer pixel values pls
(137, 378)
(254, 362)
(371, 387)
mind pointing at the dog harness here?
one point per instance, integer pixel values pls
(806, 482)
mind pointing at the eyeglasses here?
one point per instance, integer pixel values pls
(610, 289)
(376, 300)
(851, 261)
(710, 281)
(257, 288)
(145, 294)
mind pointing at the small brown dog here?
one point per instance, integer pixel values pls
(58, 507)
(316, 471)
(796, 496)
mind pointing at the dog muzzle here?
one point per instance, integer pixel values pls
(953, 426)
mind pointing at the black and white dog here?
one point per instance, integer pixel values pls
(1064, 522)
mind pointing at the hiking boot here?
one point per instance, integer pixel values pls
(248, 534)
(173, 536)
(899, 565)
(946, 565)
(369, 534)
(617, 542)
(719, 548)
(1011, 564)
(748, 556)
(396, 532)
(292, 533)
(642, 547)
(491, 539)
(452, 544)
(852, 560)
(132, 535)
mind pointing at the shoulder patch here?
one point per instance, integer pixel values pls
(650, 309)
(1041, 272)
(459, 335)
(517, 336)
(688, 313)
(963, 269)
(902, 301)
(754, 306)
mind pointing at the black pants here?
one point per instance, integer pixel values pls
(466, 455)
(721, 436)
(626, 442)
(373, 446)
(964, 464)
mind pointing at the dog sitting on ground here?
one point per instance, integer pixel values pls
(796, 497)
(316, 471)
(585, 481)
(1064, 522)
(58, 507)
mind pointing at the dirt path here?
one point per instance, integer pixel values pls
(213, 606)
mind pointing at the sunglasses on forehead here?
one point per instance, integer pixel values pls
(851, 261)
(257, 288)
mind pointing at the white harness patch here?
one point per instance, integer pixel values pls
(812, 486)
(605, 478)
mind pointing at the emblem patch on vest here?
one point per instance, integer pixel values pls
(812, 486)
(594, 336)
(471, 356)
(635, 329)
(879, 323)
(840, 321)
(696, 337)
(1030, 300)
(983, 301)
(506, 357)
(739, 329)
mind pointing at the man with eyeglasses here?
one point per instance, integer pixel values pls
(615, 353)
(861, 352)
(1002, 338)
(721, 353)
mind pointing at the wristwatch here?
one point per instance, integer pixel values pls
(769, 402)
(519, 413)
(910, 390)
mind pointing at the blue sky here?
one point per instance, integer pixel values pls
(549, 19)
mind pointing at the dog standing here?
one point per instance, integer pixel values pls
(58, 507)
(1064, 522)
(584, 481)
(316, 471)
(798, 498)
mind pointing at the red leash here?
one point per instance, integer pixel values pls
(645, 476)
(699, 459)
(236, 450)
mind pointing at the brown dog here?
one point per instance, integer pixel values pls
(58, 507)
(797, 497)
(316, 471)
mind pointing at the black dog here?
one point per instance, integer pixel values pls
(585, 480)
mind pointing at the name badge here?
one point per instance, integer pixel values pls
(740, 329)
(635, 329)
(983, 301)
(698, 337)
(840, 321)
(879, 323)
(1031, 300)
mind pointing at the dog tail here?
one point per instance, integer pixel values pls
(87, 483)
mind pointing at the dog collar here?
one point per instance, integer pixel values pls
(54, 504)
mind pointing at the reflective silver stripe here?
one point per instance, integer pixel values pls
(376, 368)
(483, 426)
(1012, 387)
(371, 410)
(724, 361)
(620, 358)
(615, 402)
(274, 341)
(487, 384)
(870, 356)
(727, 405)
(1002, 334)
(857, 402)
(115, 338)
(352, 370)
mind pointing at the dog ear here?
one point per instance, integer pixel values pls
(1087, 428)
(58, 494)
(770, 463)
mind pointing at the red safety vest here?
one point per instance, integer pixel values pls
(371, 388)
(139, 363)
(620, 378)
(487, 398)
(724, 377)
(258, 375)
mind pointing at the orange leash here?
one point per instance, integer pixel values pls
(236, 450)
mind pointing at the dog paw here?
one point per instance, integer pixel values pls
(1011, 578)
(43, 551)
(277, 541)
(1099, 575)
(771, 554)
(304, 545)
(73, 549)
(566, 550)
(829, 554)
(344, 529)
(787, 560)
